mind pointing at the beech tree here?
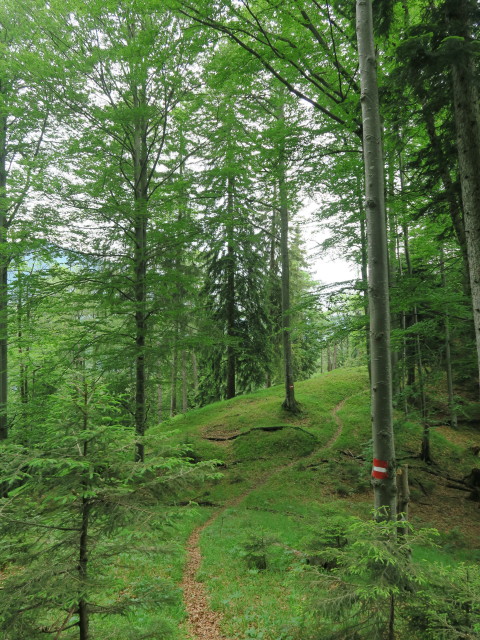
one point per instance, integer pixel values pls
(124, 100)
(384, 474)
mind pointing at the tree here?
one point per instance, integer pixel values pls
(123, 99)
(76, 502)
(235, 286)
(384, 475)
(466, 102)
(24, 116)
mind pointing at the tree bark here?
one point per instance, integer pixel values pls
(384, 483)
(173, 392)
(3, 279)
(159, 403)
(184, 382)
(195, 372)
(364, 268)
(290, 404)
(448, 352)
(467, 123)
(83, 613)
(230, 302)
(22, 365)
(140, 154)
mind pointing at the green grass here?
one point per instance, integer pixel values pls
(294, 487)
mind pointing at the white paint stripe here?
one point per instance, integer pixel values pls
(381, 469)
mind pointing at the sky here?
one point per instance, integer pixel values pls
(325, 266)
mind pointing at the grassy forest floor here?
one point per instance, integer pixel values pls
(238, 546)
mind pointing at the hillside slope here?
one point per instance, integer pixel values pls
(287, 481)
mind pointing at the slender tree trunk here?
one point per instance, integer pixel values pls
(140, 153)
(273, 280)
(403, 325)
(83, 613)
(393, 270)
(231, 312)
(184, 382)
(448, 354)
(174, 375)
(467, 123)
(195, 372)
(159, 402)
(364, 250)
(3, 279)
(410, 320)
(23, 369)
(416, 362)
(410, 344)
(290, 404)
(384, 475)
(425, 454)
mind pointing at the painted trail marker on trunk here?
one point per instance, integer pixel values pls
(380, 469)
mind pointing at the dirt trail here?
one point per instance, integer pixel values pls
(203, 623)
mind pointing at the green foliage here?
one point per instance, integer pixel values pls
(78, 494)
(255, 551)
(365, 581)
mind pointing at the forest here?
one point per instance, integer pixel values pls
(200, 439)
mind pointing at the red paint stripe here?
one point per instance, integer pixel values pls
(380, 469)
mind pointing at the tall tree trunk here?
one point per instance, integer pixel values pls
(384, 475)
(231, 315)
(174, 372)
(290, 404)
(467, 123)
(393, 269)
(194, 372)
(184, 382)
(416, 360)
(448, 354)
(403, 324)
(410, 319)
(364, 267)
(273, 282)
(159, 402)
(140, 153)
(3, 279)
(23, 369)
(83, 613)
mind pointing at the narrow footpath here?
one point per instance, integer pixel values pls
(202, 622)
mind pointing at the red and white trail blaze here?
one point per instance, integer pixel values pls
(380, 469)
